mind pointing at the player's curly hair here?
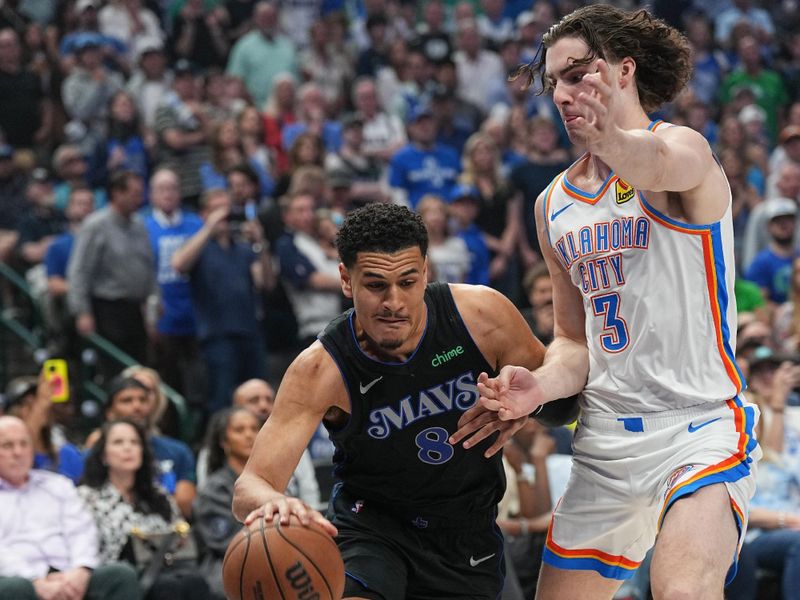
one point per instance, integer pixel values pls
(378, 227)
(661, 52)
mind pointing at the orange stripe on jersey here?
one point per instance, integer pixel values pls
(711, 283)
(583, 197)
(733, 459)
(604, 557)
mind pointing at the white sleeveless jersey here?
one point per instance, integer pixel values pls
(658, 297)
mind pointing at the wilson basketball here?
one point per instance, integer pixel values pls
(269, 560)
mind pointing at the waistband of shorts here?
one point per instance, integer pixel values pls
(642, 422)
(419, 519)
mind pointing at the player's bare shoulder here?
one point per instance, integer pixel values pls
(496, 325)
(315, 380)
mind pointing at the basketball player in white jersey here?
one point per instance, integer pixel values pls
(637, 236)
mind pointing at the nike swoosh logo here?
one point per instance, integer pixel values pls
(475, 562)
(559, 211)
(365, 388)
(693, 427)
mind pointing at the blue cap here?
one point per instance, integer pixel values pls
(6, 151)
(462, 190)
(416, 112)
(88, 39)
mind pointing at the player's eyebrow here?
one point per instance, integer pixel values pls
(405, 273)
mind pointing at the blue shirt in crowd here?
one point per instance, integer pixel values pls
(421, 172)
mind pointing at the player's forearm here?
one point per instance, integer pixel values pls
(637, 156)
(565, 368)
(251, 492)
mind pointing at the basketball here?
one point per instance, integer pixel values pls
(271, 560)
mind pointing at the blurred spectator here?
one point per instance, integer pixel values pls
(456, 118)
(698, 117)
(181, 128)
(130, 23)
(744, 196)
(29, 398)
(710, 63)
(756, 238)
(545, 160)
(225, 275)
(229, 442)
(88, 89)
(150, 81)
(259, 56)
(279, 111)
(13, 205)
(448, 256)
(364, 172)
(138, 399)
(743, 12)
(50, 546)
(43, 222)
(320, 64)
(168, 227)
(111, 270)
(479, 70)
(433, 41)
(750, 72)
(463, 211)
(72, 169)
(198, 34)
(227, 151)
(79, 206)
(376, 53)
(538, 290)
(312, 117)
(786, 321)
(422, 166)
(126, 146)
(787, 151)
(87, 24)
(119, 491)
(247, 200)
(26, 113)
(493, 24)
(499, 210)
(732, 136)
(771, 268)
(251, 133)
(307, 149)
(240, 13)
(384, 134)
(310, 275)
(753, 119)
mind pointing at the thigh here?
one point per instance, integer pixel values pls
(17, 588)
(561, 584)
(697, 543)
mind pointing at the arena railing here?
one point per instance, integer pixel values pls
(27, 324)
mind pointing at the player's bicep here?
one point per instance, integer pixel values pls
(687, 160)
(567, 302)
(308, 389)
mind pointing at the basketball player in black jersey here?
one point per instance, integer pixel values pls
(414, 513)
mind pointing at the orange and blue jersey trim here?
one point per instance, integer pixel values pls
(586, 197)
(733, 468)
(714, 259)
(608, 565)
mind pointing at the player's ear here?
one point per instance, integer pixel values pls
(626, 70)
(347, 282)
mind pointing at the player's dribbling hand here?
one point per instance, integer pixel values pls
(283, 507)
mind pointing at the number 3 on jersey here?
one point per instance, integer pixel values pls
(615, 330)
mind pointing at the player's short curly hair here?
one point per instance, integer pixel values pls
(661, 52)
(378, 227)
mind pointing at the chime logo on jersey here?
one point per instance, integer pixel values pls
(624, 191)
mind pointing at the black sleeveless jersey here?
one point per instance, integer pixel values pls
(394, 449)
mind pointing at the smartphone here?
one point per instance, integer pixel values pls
(55, 372)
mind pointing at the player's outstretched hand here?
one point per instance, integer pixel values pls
(514, 393)
(597, 105)
(282, 507)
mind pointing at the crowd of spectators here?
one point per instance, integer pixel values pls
(172, 177)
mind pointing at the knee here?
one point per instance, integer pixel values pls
(118, 576)
(685, 590)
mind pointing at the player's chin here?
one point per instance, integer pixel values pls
(391, 343)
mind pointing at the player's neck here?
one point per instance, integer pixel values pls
(374, 350)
